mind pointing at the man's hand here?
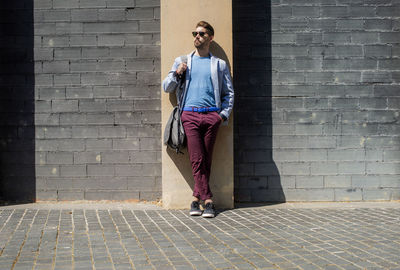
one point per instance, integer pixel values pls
(181, 69)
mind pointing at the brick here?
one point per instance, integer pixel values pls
(391, 64)
(349, 50)
(100, 119)
(378, 24)
(376, 77)
(112, 14)
(392, 155)
(47, 119)
(389, 181)
(383, 168)
(95, 53)
(67, 53)
(292, 168)
(143, 157)
(350, 24)
(111, 40)
(334, 181)
(378, 51)
(72, 119)
(92, 105)
(151, 169)
(144, 131)
(309, 195)
(79, 93)
(373, 103)
(140, 65)
(98, 144)
(45, 54)
(321, 142)
(334, 11)
(92, 3)
(348, 195)
(111, 27)
(54, 41)
(87, 157)
(322, 24)
(306, 11)
(313, 155)
(85, 132)
(51, 93)
(66, 5)
(67, 79)
(307, 130)
(151, 117)
(338, 64)
(106, 92)
(120, 105)
(57, 132)
(73, 170)
(47, 170)
(388, 11)
(56, 15)
(66, 195)
(129, 170)
(100, 170)
(147, 3)
(69, 28)
(84, 15)
(83, 41)
(365, 181)
(70, 145)
(59, 158)
(364, 38)
(126, 144)
(346, 155)
(94, 79)
(377, 194)
(150, 144)
(56, 67)
(140, 14)
(112, 132)
(128, 118)
(324, 168)
(115, 157)
(46, 195)
(64, 105)
(149, 26)
(309, 182)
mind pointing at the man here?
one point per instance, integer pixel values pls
(206, 102)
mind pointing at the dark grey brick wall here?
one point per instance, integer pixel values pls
(97, 98)
(318, 100)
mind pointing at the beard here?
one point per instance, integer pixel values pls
(198, 44)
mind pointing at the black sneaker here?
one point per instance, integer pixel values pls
(209, 211)
(195, 209)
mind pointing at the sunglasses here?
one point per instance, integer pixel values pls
(194, 33)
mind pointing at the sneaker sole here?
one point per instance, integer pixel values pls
(208, 215)
(195, 213)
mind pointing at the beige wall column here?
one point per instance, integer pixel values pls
(178, 20)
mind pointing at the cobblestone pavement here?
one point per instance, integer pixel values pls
(244, 238)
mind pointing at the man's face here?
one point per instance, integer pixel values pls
(201, 42)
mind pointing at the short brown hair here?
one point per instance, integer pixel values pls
(207, 26)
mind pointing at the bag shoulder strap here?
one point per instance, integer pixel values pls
(181, 86)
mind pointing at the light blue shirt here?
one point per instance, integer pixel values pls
(200, 90)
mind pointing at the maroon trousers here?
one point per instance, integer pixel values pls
(201, 131)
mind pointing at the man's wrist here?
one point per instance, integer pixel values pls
(223, 117)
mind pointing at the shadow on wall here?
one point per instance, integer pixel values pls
(17, 85)
(257, 177)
